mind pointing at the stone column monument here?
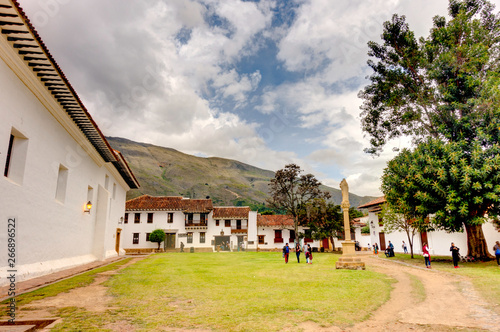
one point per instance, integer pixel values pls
(348, 260)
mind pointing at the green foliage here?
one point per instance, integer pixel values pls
(456, 182)
(445, 85)
(292, 192)
(365, 229)
(158, 235)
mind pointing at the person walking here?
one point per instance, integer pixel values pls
(427, 255)
(375, 249)
(286, 252)
(496, 248)
(405, 249)
(309, 252)
(455, 254)
(297, 252)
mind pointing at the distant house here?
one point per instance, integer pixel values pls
(439, 241)
(55, 160)
(274, 231)
(194, 222)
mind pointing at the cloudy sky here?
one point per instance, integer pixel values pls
(266, 82)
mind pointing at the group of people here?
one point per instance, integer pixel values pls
(455, 255)
(307, 251)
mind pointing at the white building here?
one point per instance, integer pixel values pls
(274, 231)
(198, 224)
(194, 222)
(438, 241)
(55, 160)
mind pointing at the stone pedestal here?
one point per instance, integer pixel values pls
(348, 260)
(350, 263)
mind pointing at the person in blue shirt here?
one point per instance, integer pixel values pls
(286, 252)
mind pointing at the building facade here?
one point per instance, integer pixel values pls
(195, 223)
(55, 161)
(438, 241)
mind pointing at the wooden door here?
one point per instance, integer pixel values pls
(169, 240)
(117, 242)
(381, 244)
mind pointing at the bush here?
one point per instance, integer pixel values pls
(365, 230)
(157, 236)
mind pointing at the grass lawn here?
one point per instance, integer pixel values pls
(484, 275)
(244, 291)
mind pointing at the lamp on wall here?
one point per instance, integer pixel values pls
(88, 207)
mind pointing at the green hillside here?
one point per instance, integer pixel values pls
(168, 172)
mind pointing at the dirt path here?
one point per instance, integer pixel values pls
(450, 303)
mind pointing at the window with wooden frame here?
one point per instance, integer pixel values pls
(135, 239)
(170, 217)
(147, 236)
(202, 237)
(227, 223)
(125, 220)
(150, 218)
(137, 218)
(190, 237)
(261, 239)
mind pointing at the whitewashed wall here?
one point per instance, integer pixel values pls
(50, 234)
(438, 241)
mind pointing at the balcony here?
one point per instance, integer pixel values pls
(196, 224)
(239, 231)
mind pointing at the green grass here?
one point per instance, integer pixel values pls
(244, 291)
(485, 276)
(62, 286)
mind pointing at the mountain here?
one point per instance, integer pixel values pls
(168, 172)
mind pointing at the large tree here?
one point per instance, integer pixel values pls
(324, 219)
(399, 222)
(459, 186)
(445, 87)
(292, 191)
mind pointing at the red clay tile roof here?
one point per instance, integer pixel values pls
(146, 202)
(156, 203)
(197, 205)
(274, 220)
(375, 202)
(231, 212)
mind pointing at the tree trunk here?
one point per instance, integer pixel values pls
(333, 243)
(476, 243)
(296, 229)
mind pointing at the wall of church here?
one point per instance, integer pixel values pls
(49, 180)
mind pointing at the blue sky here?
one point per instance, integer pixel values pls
(266, 82)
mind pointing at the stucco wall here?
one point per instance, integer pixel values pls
(51, 234)
(438, 241)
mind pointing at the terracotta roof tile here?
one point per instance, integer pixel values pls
(373, 203)
(231, 212)
(274, 220)
(197, 205)
(146, 202)
(151, 203)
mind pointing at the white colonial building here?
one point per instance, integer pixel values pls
(438, 241)
(195, 223)
(54, 161)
